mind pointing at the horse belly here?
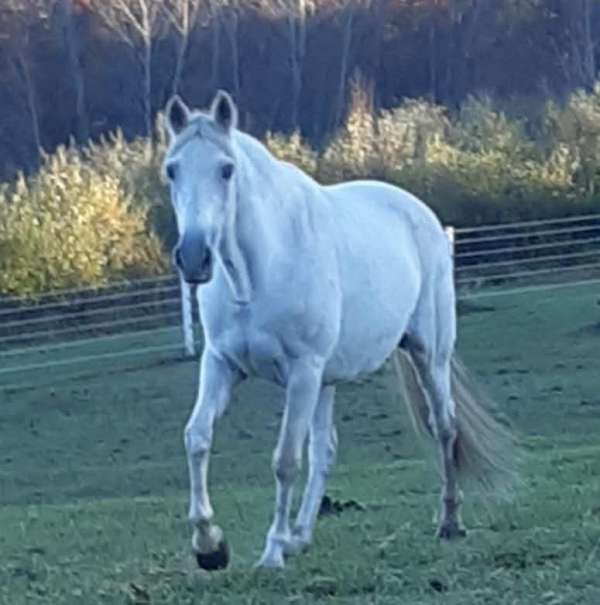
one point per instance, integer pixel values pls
(374, 318)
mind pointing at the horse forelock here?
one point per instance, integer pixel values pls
(200, 125)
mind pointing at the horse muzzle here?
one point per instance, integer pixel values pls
(196, 268)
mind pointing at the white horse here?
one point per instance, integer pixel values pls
(305, 286)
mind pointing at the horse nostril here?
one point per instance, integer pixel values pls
(207, 260)
(178, 258)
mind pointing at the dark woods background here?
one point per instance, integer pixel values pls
(81, 68)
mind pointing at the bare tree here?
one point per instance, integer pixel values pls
(296, 14)
(136, 22)
(183, 16)
(349, 8)
(573, 45)
(464, 16)
(230, 13)
(297, 31)
(224, 16)
(21, 59)
(215, 22)
(582, 44)
(70, 23)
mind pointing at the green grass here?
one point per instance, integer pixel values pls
(93, 480)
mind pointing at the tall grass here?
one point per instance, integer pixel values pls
(478, 165)
(72, 224)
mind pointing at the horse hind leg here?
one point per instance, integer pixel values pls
(322, 447)
(473, 444)
(431, 384)
(444, 414)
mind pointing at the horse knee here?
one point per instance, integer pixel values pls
(285, 468)
(446, 428)
(197, 442)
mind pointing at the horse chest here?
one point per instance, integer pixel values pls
(261, 346)
(256, 353)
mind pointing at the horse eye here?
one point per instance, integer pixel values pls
(227, 171)
(171, 171)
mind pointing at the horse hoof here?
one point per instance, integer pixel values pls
(451, 531)
(271, 562)
(215, 560)
(297, 544)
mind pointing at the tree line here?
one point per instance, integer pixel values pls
(77, 69)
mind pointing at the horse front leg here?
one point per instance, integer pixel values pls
(302, 394)
(216, 383)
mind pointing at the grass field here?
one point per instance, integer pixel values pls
(93, 480)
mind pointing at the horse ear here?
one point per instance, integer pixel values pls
(178, 115)
(224, 111)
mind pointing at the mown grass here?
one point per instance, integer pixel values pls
(93, 481)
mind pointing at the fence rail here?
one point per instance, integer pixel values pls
(90, 291)
(156, 316)
(527, 253)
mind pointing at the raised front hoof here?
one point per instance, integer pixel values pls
(215, 560)
(451, 530)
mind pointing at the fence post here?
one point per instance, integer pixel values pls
(187, 316)
(451, 235)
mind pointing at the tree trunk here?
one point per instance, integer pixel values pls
(181, 53)
(187, 22)
(589, 58)
(32, 107)
(579, 62)
(215, 61)
(231, 27)
(346, 44)
(465, 22)
(378, 29)
(147, 95)
(433, 83)
(296, 83)
(297, 35)
(73, 49)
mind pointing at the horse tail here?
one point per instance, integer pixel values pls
(485, 453)
(485, 450)
(414, 395)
